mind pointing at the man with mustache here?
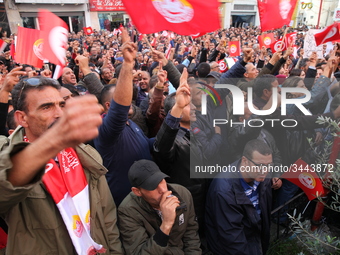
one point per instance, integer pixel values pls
(54, 194)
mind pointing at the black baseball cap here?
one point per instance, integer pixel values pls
(145, 174)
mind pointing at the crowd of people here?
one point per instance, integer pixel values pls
(120, 176)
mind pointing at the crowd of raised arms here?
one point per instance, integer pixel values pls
(122, 155)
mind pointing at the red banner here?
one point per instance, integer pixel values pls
(234, 48)
(54, 31)
(328, 34)
(106, 5)
(290, 39)
(266, 40)
(304, 176)
(275, 14)
(29, 47)
(180, 16)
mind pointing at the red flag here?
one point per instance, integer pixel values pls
(275, 46)
(290, 39)
(328, 34)
(54, 31)
(180, 16)
(335, 150)
(275, 14)
(304, 176)
(197, 35)
(12, 51)
(266, 40)
(223, 65)
(29, 47)
(88, 30)
(3, 238)
(3, 45)
(234, 48)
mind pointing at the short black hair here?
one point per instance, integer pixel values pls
(303, 62)
(256, 145)
(263, 82)
(71, 88)
(169, 102)
(10, 120)
(22, 87)
(295, 72)
(203, 70)
(105, 96)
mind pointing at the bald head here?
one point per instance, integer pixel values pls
(68, 76)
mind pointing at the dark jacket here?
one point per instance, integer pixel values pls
(209, 140)
(234, 74)
(232, 224)
(139, 226)
(174, 151)
(93, 84)
(121, 142)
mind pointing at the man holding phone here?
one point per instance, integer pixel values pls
(156, 217)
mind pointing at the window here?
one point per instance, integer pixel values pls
(28, 22)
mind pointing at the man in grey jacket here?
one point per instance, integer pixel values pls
(156, 217)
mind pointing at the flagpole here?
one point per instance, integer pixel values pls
(147, 41)
(283, 38)
(317, 26)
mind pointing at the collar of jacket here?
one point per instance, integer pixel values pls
(234, 178)
(88, 156)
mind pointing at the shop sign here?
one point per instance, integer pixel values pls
(106, 5)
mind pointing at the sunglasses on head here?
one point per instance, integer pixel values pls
(35, 82)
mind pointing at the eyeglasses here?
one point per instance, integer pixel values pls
(261, 166)
(35, 82)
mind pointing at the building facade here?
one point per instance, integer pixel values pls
(309, 11)
(109, 14)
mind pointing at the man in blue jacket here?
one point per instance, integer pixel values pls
(239, 204)
(121, 142)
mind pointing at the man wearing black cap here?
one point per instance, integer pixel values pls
(156, 217)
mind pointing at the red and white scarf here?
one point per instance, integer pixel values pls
(68, 187)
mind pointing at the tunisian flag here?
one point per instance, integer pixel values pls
(88, 30)
(29, 47)
(280, 44)
(54, 31)
(304, 176)
(183, 17)
(328, 34)
(266, 40)
(275, 13)
(234, 48)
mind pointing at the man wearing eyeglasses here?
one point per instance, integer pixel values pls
(239, 204)
(54, 195)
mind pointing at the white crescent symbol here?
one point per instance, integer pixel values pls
(48, 167)
(58, 42)
(330, 34)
